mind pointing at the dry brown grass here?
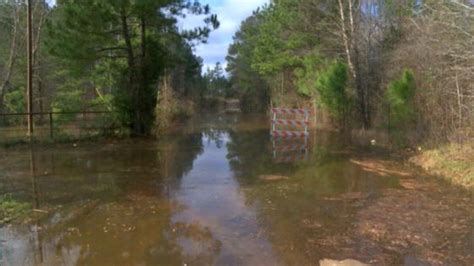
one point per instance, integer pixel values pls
(454, 162)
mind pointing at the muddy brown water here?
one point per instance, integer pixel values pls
(218, 191)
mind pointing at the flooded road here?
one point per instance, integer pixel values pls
(220, 191)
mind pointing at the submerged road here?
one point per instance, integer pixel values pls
(218, 192)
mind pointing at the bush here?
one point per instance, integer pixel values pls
(326, 82)
(331, 85)
(11, 209)
(169, 109)
(399, 96)
(401, 115)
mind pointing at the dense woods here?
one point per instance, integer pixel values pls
(406, 66)
(331, 132)
(103, 55)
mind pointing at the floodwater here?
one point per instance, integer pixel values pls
(220, 191)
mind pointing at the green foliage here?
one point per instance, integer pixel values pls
(326, 83)
(307, 74)
(216, 82)
(331, 85)
(125, 46)
(246, 82)
(15, 101)
(276, 44)
(11, 209)
(69, 97)
(267, 49)
(287, 44)
(399, 96)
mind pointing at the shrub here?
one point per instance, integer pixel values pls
(399, 96)
(331, 85)
(11, 209)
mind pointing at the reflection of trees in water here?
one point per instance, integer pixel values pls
(66, 175)
(176, 155)
(69, 175)
(134, 227)
(248, 151)
(215, 135)
(308, 216)
(250, 155)
(137, 230)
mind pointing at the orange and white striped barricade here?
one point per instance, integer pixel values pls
(292, 128)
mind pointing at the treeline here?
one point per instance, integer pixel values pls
(124, 56)
(404, 65)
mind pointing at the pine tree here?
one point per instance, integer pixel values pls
(133, 36)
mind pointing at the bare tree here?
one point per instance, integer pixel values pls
(13, 56)
(40, 14)
(438, 45)
(350, 14)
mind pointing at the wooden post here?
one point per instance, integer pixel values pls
(29, 84)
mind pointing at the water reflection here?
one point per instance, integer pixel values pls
(213, 199)
(196, 197)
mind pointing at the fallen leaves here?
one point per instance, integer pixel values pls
(380, 167)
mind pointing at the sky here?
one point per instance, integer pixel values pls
(230, 13)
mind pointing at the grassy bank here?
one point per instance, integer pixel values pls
(11, 209)
(454, 162)
(62, 139)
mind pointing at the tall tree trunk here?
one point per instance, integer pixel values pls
(144, 112)
(353, 60)
(132, 77)
(29, 79)
(12, 58)
(36, 61)
(40, 98)
(39, 27)
(345, 38)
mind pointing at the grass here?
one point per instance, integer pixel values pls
(11, 209)
(58, 138)
(454, 162)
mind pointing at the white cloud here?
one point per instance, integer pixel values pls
(230, 13)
